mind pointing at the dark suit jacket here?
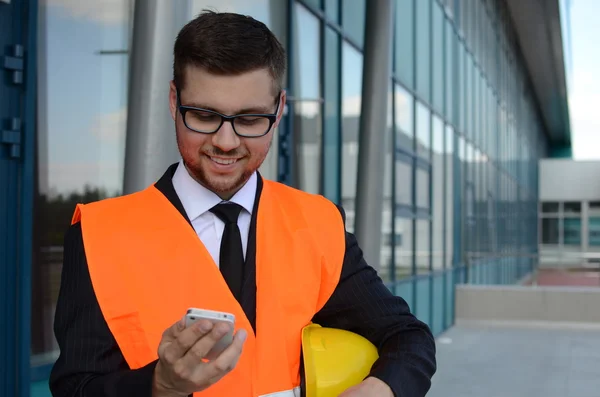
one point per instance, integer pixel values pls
(91, 363)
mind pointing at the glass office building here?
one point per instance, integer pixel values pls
(476, 95)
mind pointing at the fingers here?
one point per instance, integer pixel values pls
(182, 339)
(203, 345)
(226, 361)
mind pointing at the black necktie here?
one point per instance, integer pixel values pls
(231, 255)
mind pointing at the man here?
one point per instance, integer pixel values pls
(275, 257)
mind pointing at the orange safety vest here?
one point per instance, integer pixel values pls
(147, 266)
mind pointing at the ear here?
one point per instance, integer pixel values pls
(173, 100)
(281, 109)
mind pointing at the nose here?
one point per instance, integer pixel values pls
(225, 138)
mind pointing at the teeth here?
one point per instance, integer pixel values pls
(223, 161)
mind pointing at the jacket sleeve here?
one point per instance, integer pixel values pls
(361, 303)
(90, 361)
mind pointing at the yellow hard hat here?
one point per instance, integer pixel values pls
(334, 360)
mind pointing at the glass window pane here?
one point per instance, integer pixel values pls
(572, 231)
(315, 3)
(353, 20)
(438, 194)
(351, 91)
(307, 117)
(449, 171)
(422, 188)
(550, 231)
(572, 208)
(594, 208)
(404, 183)
(550, 208)
(423, 241)
(331, 133)
(404, 118)
(450, 91)
(461, 87)
(403, 247)
(403, 64)
(594, 232)
(423, 48)
(332, 9)
(422, 131)
(449, 5)
(386, 259)
(438, 57)
(82, 112)
(469, 98)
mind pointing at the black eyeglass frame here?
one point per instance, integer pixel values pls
(272, 117)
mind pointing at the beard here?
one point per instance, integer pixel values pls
(224, 185)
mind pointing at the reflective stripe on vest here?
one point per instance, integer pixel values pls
(295, 392)
(147, 266)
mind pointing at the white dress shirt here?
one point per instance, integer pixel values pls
(197, 202)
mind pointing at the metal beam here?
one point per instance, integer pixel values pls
(377, 68)
(150, 144)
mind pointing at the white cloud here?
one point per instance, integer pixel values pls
(109, 12)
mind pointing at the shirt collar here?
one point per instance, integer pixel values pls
(196, 199)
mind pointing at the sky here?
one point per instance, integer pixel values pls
(584, 90)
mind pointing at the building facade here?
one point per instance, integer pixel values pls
(569, 219)
(475, 96)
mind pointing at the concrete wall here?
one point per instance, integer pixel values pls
(524, 304)
(569, 180)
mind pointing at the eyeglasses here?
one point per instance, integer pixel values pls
(208, 121)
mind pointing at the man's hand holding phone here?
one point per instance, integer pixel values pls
(181, 369)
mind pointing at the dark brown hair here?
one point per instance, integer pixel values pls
(227, 44)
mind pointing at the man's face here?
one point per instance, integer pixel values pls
(223, 161)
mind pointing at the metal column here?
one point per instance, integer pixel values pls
(374, 107)
(151, 145)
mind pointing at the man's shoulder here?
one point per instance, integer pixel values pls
(283, 189)
(109, 207)
(291, 194)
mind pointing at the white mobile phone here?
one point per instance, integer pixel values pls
(194, 314)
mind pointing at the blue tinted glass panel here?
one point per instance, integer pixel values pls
(438, 196)
(353, 20)
(405, 290)
(594, 231)
(437, 60)
(331, 133)
(404, 36)
(450, 50)
(318, 4)
(438, 305)
(423, 246)
(332, 9)
(423, 48)
(423, 303)
(351, 102)
(449, 298)
(403, 112)
(450, 186)
(572, 231)
(422, 131)
(307, 110)
(404, 246)
(423, 190)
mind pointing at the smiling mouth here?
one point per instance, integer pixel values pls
(223, 161)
